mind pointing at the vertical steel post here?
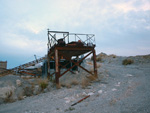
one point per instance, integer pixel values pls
(94, 63)
(57, 72)
(48, 67)
(77, 57)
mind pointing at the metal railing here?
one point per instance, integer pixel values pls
(54, 36)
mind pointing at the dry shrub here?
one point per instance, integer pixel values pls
(8, 97)
(58, 86)
(98, 65)
(74, 82)
(27, 77)
(101, 77)
(113, 101)
(43, 83)
(85, 83)
(68, 85)
(90, 63)
(91, 70)
(92, 77)
(98, 58)
(127, 61)
(113, 56)
(146, 56)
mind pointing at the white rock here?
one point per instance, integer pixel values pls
(114, 89)
(69, 99)
(118, 84)
(84, 94)
(91, 93)
(129, 75)
(100, 91)
(18, 82)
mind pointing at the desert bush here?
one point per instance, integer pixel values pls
(68, 85)
(28, 91)
(98, 59)
(74, 82)
(146, 56)
(58, 86)
(8, 96)
(113, 101)
(113, 56)
(90, 63)
(91, 70)
(92, 77)
(85, 83)
(98, 65)
(127, 61)
(69, 109)
(43, 83)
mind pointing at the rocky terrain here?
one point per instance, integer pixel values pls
(122, 87)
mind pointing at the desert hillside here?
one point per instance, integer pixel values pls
(122, 86)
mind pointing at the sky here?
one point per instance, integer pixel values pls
(121, 27)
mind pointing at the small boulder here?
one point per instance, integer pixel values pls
(18, 82)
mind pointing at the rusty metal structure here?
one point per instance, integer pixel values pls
(69, 46)
(19, 69)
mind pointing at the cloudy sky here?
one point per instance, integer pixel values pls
(121, 27)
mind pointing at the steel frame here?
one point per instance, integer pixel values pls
(68, 51)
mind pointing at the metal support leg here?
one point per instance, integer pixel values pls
(94, 62)
(77, 61)
(57, 72)
(48, 72)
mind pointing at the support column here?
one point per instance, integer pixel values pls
(48, 72)
(77, 57)
(94, 63)
(57, 71)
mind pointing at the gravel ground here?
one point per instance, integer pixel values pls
(121, 89)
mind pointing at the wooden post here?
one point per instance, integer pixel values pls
(57, 72)
(94, 63)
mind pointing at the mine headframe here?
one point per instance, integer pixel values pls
(64, 49)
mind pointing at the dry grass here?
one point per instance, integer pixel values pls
(113, 101)
(85, 83)
(127, 61)
(92, 77)
(98, 65)
(43, 83)
(113, 56)
(90, 63)
(8, 97)
(68, 85)
(91, 70)
(99, 58)
(146, 56)
(74, 82)
(58, 86)
(27, 77)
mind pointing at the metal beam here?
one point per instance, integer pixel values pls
(94, 63)
(75, 64)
